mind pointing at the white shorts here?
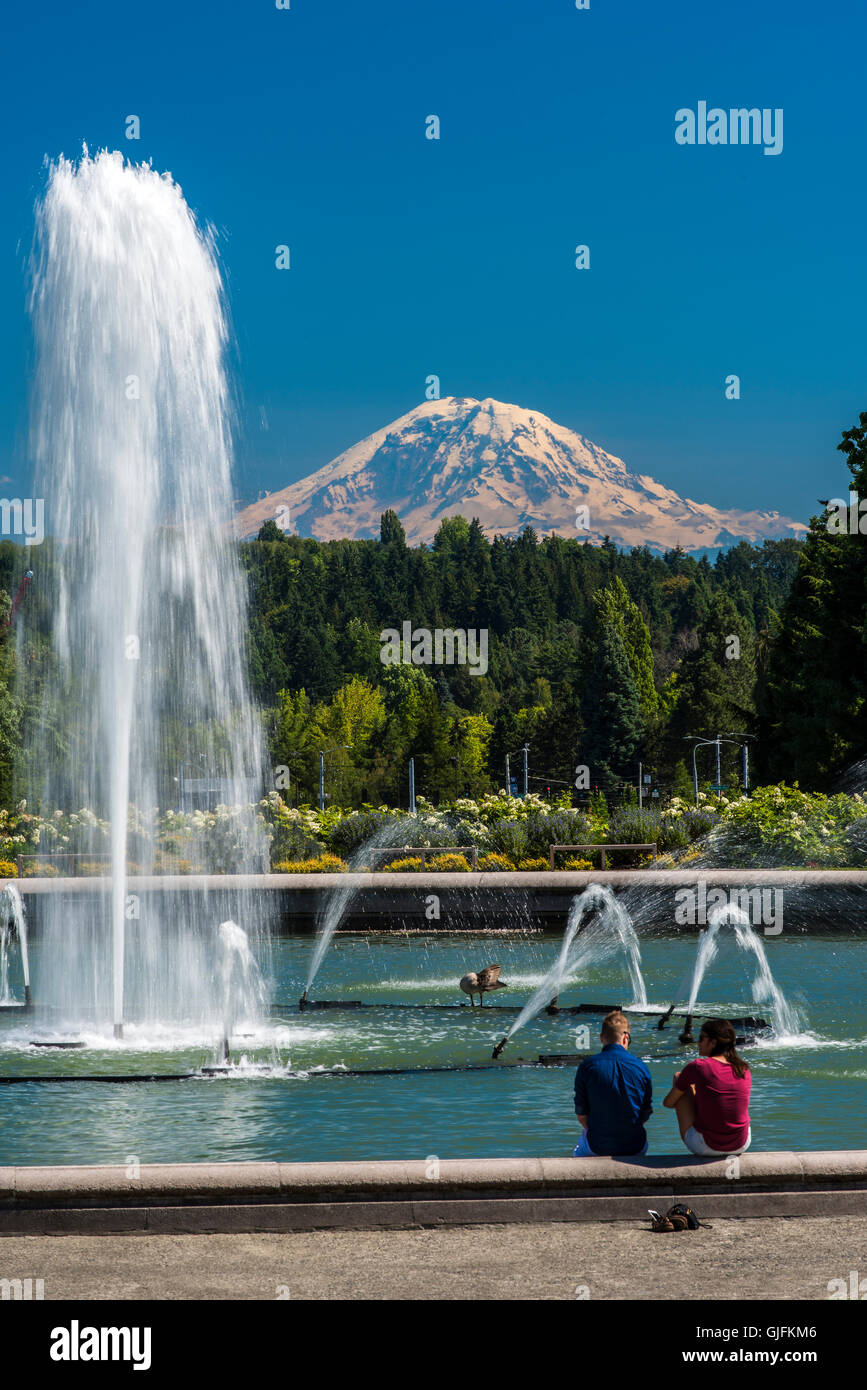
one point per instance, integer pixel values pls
(696, 1145)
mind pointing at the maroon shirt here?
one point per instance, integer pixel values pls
(721, 1102)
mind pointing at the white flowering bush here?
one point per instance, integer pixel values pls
(774, 825)
(784, 825)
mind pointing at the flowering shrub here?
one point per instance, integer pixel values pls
(557, 828)
(323, 864)
(774, 825)
(784, 825)
(533, 866)
(449, 864)
(495, 864)
(8, 869)
(19, 831)
(855, 842)
(403, 866)
(352, 831)
(509, 837)
(630, 826)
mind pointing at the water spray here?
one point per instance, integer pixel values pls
(122, 274)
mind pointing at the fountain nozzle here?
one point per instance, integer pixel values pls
(686, 1035)
(224, 1050)
(665, 1017)
(302, 1002)
(498, 1049)
(554, 1006)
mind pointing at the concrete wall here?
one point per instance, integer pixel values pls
(298, 1196)
(815, 900)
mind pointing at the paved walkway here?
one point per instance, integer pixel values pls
(770, 1257)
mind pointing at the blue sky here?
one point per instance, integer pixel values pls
(456, 257)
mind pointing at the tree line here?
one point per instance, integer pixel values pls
(596, 658)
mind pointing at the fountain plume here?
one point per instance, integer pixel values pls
(765, 989)
(131, 439)
(609, 930)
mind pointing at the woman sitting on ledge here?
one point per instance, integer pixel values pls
(712, 1094)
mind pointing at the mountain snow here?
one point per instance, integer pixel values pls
(510, 468)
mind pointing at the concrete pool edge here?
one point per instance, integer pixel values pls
(817, 901)
(249, 1197)
(573, 880)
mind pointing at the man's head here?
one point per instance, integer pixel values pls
(615, 1029)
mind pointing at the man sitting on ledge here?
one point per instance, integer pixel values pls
(612, 1096)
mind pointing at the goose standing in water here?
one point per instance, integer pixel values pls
(479, 983)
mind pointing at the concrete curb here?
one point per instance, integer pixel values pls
(557, 879)
(304, 1196)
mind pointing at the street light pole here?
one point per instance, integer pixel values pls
(745, 757)
(696, 744)
(508, 778)
(526, 768)
(321, 781)
(717, 743)
(745, 753)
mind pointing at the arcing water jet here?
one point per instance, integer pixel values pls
(611, 931)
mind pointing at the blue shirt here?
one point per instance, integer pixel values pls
(613, 1089)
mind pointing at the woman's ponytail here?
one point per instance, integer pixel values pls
(722, 1036)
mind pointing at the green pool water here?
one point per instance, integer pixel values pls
(808, 1089)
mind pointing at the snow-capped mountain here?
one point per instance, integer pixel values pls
(509, 467)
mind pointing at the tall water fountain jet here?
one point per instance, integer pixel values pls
(13, 927)
(131, 440)
(587, 942)
(243, 987)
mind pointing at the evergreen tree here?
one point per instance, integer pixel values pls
(612, 714)
(616, 609)
(814, 699)
(715, 685)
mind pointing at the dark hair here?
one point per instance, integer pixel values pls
(722, 1035)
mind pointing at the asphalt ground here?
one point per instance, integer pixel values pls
(763, 1258)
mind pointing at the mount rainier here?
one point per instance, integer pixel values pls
(510, 468)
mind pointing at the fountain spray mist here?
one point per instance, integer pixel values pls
(131, 439)
(598, 927)
(787, 1018)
